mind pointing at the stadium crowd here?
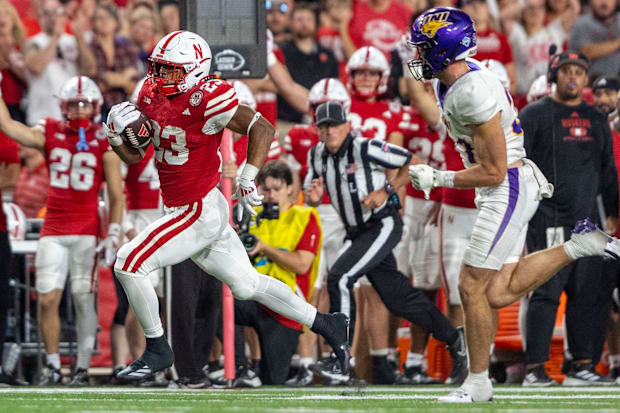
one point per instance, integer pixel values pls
(57, 54)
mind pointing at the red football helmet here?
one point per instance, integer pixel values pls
(74, 95)
(370, 58)
(178, 62)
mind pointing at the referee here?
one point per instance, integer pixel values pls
(353, 170)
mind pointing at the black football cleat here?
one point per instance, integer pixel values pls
(157, 356)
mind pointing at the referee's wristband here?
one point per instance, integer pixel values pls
(444, 178)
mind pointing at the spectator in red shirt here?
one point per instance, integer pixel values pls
(11, 59)
(492, 44)
(31, 190)
(378, 23)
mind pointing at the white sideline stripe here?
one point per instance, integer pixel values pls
(164, 232)
(289, 392)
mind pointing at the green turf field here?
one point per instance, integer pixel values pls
(376, 399)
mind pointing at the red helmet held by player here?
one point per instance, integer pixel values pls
(80, 102)
(328, 90)
(368, 58)
(178, 62)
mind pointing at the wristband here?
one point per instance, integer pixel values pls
(249, 172)
(444, 178)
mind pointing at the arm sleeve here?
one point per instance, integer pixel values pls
(220, 105)
(309, 241)
(385, 154)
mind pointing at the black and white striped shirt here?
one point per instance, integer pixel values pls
(357, 169)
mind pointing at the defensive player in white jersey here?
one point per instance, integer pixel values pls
(480, 118)
(188, 110)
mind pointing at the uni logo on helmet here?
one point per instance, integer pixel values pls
(434, 22)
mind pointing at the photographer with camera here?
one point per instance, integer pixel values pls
(285, 243)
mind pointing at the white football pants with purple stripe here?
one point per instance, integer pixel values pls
(499, 233)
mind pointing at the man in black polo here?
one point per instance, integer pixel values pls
(571, 143)
(352, 170)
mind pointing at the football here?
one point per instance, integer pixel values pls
(138, 133)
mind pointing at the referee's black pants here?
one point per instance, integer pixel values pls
(588, 283)
(371, 254)
(194, 318)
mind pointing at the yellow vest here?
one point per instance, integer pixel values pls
(284, 233)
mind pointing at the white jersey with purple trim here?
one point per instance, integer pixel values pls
(473, 99)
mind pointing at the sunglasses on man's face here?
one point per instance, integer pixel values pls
(276, 6)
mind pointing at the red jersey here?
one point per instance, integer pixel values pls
(8, 156)
(423, 141)
(463, 198)
(493, 45)
(187, 134)
(142, 183)
(297, 144)
(375, 119)
(381, 30)
(75, 179)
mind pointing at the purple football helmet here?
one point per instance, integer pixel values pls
(442, 36)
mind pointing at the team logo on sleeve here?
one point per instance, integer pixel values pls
(196, 98)
(434, 22)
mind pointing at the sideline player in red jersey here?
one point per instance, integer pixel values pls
(189, 110)
(79, 159)
(371, 112)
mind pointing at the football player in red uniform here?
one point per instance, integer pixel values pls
(188, 111)
(371, 113)
(79, 160)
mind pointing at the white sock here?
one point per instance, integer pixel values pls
(414, 359)
(86, 327)
(614, 360)
(280, 298)
(141, 295)
(306, 361)
(382, 352)
(477, 378)
(53, 359)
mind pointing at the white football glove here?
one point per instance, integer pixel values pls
(246, 193)
(119, 117)
(425, 178)
(421, 177)
(110, 245)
